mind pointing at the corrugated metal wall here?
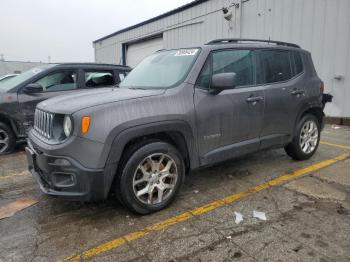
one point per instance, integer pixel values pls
(191, 27)
(320, 26)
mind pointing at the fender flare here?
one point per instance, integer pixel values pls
(11, 122)
(120, 141)
(305, 108)
(180, 126)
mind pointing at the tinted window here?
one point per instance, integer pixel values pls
(274, 66)
(99, 78)
(60, 81)
(298, 64)
(235, 61)
(203, 80)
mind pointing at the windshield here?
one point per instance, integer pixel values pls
(161, 70)
(13, 82)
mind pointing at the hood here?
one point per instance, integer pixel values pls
(70, 103)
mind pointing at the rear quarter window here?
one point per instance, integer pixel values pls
(298, 63)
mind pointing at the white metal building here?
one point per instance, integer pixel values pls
(320, 26)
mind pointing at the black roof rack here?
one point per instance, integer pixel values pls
(240, 40)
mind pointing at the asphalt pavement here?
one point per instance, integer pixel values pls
(306, 204)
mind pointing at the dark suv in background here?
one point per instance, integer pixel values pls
(176, 111)
(20, 95)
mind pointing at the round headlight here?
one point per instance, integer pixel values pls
(67, 126)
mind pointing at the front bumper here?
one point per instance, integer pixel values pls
(65, 177)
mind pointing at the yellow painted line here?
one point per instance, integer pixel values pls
(104, 247)
(335, 145)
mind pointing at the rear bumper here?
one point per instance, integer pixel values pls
(326, 98)
(65, 177)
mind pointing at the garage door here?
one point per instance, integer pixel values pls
(138, 51)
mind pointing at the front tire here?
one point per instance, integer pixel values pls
(151, 177)
(306, 140)
(7, 139)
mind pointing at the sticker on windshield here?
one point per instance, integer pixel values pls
(186, 52)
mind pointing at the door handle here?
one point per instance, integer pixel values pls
(253, 99)
(297, 92)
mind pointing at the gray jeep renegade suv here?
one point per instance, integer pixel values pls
(176, 111)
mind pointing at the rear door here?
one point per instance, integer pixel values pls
(55, 83)
(281, 72)
(228, 123)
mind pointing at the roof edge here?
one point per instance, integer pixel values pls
(174, 11)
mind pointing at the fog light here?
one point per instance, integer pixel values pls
(63, 180)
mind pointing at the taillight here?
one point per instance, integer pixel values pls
(322, 87)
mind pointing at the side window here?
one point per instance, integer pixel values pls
(298, 63)
(203, 80)
(99, 78)
(235, 61)
(275, 66)
(59, 81)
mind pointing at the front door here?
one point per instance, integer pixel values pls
(54, 84)
(228, 123)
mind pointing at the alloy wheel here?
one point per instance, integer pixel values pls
(309, 137)
(155, 179)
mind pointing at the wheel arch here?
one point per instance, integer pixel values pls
(10, 122)
(316, 111)
(177, 133)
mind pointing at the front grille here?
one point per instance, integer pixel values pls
(43, 123)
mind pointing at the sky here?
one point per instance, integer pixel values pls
(33, 30)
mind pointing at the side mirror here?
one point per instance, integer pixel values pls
(33, 88)
(223, 81)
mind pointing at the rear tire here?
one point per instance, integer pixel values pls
(7, 139)
(151, 177)
(306, 139)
